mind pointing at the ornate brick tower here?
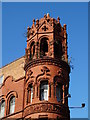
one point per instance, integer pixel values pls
(47, 71)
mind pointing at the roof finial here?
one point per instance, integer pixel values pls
(58, 18)
(45, 16)
(64, 26)
(37, 23)
(28, 28)
(48, 15)
(33, 22)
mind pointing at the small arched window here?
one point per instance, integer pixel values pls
(57, 49)
(30, 93)
(43, 47)
(44, 90)
(58, 92)
(2, 108)
(12, 105)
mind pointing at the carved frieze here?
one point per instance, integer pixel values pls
(44, 107)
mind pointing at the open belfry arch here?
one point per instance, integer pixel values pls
(46, 71)
(48, 38)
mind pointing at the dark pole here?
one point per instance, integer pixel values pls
(83, 105)
(73, 107)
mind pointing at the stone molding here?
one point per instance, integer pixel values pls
(47, 61)
(46, 107)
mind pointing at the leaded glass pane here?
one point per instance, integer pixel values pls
(31, 93)
(44, 91)
(58, 92)
(2, 109)
(12, 104)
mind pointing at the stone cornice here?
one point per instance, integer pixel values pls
(47, 61)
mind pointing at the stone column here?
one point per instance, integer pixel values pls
(26, 96)
(36, 50)
(63, 89)
(65, 41)
(52, 48)
(36, 91)
(66, 92)
(39, 91)
(39, 49)
(33, 91)
(6, 104)
(49, 89)
(28, 54)
(52, 90)
(29, 96)
(55, 90)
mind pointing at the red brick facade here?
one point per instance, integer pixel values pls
(42, 92)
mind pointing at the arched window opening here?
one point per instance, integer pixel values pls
(43, 47)
(12, 105)
(44, 90)
(30, 93)
(58, 92)
(57, 49)
(32, 50)
(2, 108)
